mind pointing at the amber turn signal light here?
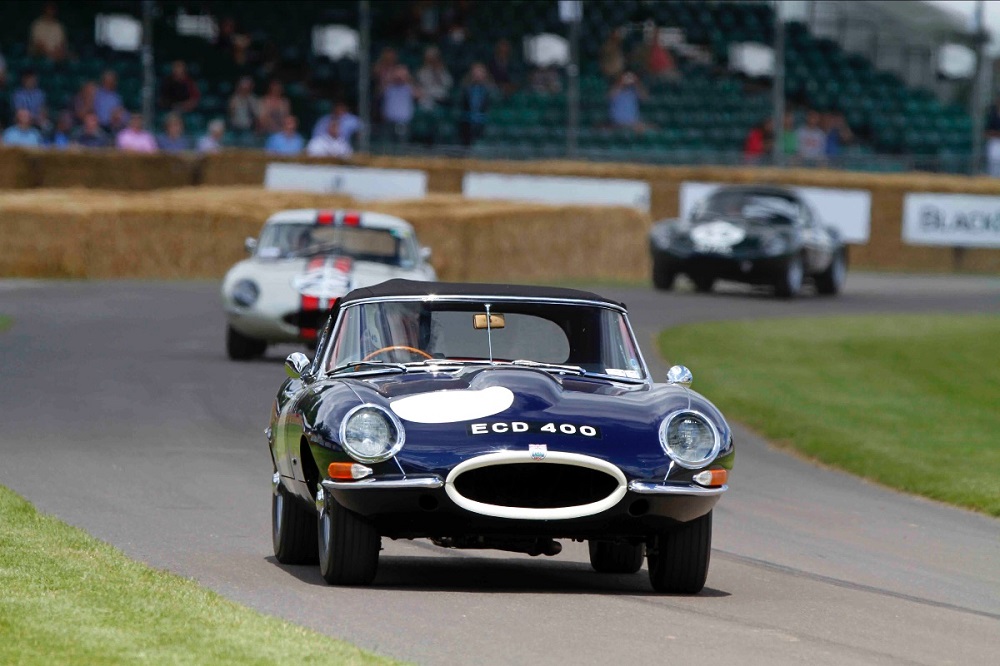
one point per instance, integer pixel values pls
(345, 471)
(711, 477)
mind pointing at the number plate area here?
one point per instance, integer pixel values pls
(550, 428)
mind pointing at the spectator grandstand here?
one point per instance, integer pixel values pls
(692, 107)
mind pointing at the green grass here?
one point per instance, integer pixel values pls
(67, 598)
(5, 323)
(912, 402)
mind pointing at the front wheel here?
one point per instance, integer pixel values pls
(703, 284)
(831, 281)
(663, 277)
(678, 559)
(789, 281)
(293, 529)
(241, 347)
(618, 558)
(348, 545)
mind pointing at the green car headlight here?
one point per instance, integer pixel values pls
(690, 439)
(371, 434)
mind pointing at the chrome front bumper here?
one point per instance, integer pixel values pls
(653, 488)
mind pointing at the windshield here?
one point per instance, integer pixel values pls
(591, 339)
(749, 205)
(386, 246)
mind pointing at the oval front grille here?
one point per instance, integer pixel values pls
(535, 485)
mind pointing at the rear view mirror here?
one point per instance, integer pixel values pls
(425, 253)
(495, 321)
(296, 364)
(250, 245)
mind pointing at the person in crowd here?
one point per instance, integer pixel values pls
(992, 138)
(107, 99)
(384, 68)
(434, 80)
(29, 96)
(244, 107)
(653, 59)
(624, 97)
(84, 101)
(173, 139)
(330, 144)
(397, 103)
(612, 55)
(119, 121)
(274, 109)
(48, 37)
(426, 18)
(456, 18)
(231, 41)
(178, 92)
(348, 124)
(6, 110)
(136, 138)
(838, 134)
(477, 92)
(22, 133)
(288, 141)
(758, 143)
(62, 134)
(789, 137)
(211, 142)
(90, 134)
(810, 139)
(545, 81)
(502, 68)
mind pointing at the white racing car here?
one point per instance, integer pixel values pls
(304, 261)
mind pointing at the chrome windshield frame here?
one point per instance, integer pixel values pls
(323, 354)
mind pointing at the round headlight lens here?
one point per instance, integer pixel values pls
(245, 293)
(371, 434)
(690, 439)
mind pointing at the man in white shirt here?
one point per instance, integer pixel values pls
(330, 144)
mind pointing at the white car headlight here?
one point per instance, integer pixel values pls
(690, 438)
(371, 434)
(245, 293)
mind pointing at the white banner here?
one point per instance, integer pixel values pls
(557, 189)
(848, 211)
(963, 220)
(358, 182)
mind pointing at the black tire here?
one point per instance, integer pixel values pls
(348, 546)
(616, 558)
(703, 284)
(678, 559)
(293, 530)
(240, 347)
(831, 281)
(788, 284)
(663, 277)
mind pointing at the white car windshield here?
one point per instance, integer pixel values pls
(580, 339)
(386, 246)
(749, 205)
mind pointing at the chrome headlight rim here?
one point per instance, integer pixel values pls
(716, 446)
(242, 299)
(390, 417)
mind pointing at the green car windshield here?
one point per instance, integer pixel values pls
(585, 339)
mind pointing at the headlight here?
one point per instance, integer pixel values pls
(371, 434)
(690, 438)
(245, 293)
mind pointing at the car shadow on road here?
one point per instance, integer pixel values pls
(477, 575)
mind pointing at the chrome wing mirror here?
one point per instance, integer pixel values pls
(250, 244)
(678, 375)
(296, 364)
(425, 253)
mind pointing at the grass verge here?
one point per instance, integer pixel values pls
(908, 401)
(70, 599)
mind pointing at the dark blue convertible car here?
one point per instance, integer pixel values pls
(492, 416)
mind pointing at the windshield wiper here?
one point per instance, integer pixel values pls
(575, 369)
(374, 364)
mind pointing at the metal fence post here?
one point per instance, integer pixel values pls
(573, 14)
(148, 73)
(364, 75)
(979, 90)
(778, 88)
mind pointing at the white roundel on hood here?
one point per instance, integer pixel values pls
(451, 406)
(717, 234)
(324, 282)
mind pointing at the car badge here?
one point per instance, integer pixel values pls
(538, 451)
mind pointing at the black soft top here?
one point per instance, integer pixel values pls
(399, 287)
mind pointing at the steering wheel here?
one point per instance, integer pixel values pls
(412, 350)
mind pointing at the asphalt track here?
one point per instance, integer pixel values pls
(122, 416)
